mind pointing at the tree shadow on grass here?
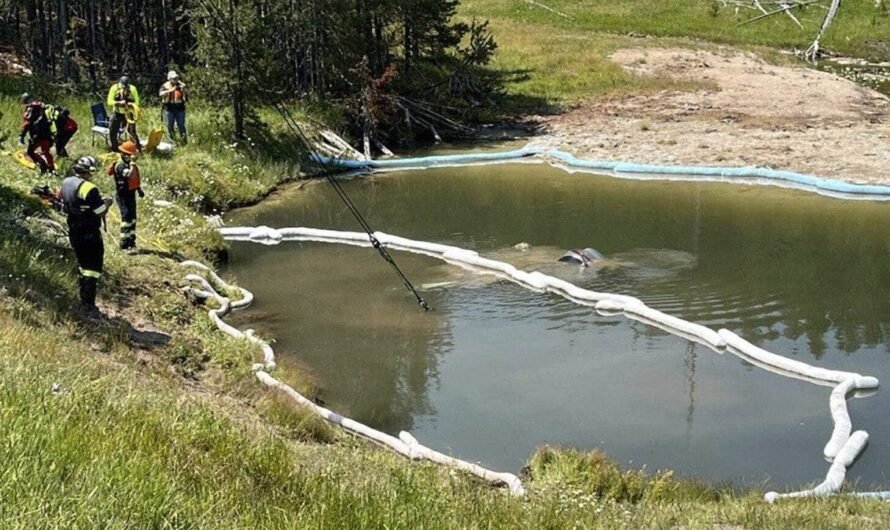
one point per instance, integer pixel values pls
(276, 143)
(517, 104)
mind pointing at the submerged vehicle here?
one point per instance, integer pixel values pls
(583, 257)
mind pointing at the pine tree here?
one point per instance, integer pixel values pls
(243, 52)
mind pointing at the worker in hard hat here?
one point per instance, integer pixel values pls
(128, 183)
(86, 209)
(174, 98)
(123, 100)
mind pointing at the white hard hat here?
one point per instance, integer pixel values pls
(86, 164)
(171, 75)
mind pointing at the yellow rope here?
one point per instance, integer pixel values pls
(108, 158)
(132, 113)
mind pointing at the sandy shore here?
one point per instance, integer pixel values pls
(752, 113)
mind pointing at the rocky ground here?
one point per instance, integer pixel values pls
(750, 113)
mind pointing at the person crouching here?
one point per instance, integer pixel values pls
(128, 183)
(64, 125)
(85, 208)
(41, 130)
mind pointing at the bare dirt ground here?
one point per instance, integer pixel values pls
(751, 113)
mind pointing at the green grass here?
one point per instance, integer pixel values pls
(180, 435)
(209, 175)
(115, 447)
(552, 66)
(559, 59)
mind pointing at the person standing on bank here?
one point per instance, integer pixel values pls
(123, 99)
(174, 98)
(86, 209)
(128, 183)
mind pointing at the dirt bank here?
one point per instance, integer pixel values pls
(751, 113)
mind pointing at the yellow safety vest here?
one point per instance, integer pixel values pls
(117, 92)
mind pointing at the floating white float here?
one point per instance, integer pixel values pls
(626, 170)
(405, 445)
(842, 448)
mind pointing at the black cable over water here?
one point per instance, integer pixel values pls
(295, 128)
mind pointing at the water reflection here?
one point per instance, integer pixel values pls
(808, 265)
(364, 342)
(689, 363)
(496, 370)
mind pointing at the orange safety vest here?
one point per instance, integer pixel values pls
(134, 182)
(176, 96)
(133, 179)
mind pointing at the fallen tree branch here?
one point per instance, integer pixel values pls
(780, 10)
(334, 139)
(813, 52)
(383, 149)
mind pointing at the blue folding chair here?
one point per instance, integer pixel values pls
(100, 122)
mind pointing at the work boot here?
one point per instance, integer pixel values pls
(88, 307)
(88, 288)
(91, 312)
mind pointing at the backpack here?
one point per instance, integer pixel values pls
(39, 124)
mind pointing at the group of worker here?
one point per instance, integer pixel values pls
(81, 200)
(85, 208)
(123, 99)
(47, 125)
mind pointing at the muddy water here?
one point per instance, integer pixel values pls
(496, 370)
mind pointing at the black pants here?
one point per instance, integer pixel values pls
(117, 122)
(126, 201)
(87, 245)
(62, 139)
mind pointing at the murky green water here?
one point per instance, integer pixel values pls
(497, 370)
(873, 76)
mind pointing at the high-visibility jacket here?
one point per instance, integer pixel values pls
(173, 94)
(117, 92)
(56, 112)
(83, 203)
(60, 119)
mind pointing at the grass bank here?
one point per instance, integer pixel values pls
(558, 49)
(153, 419)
